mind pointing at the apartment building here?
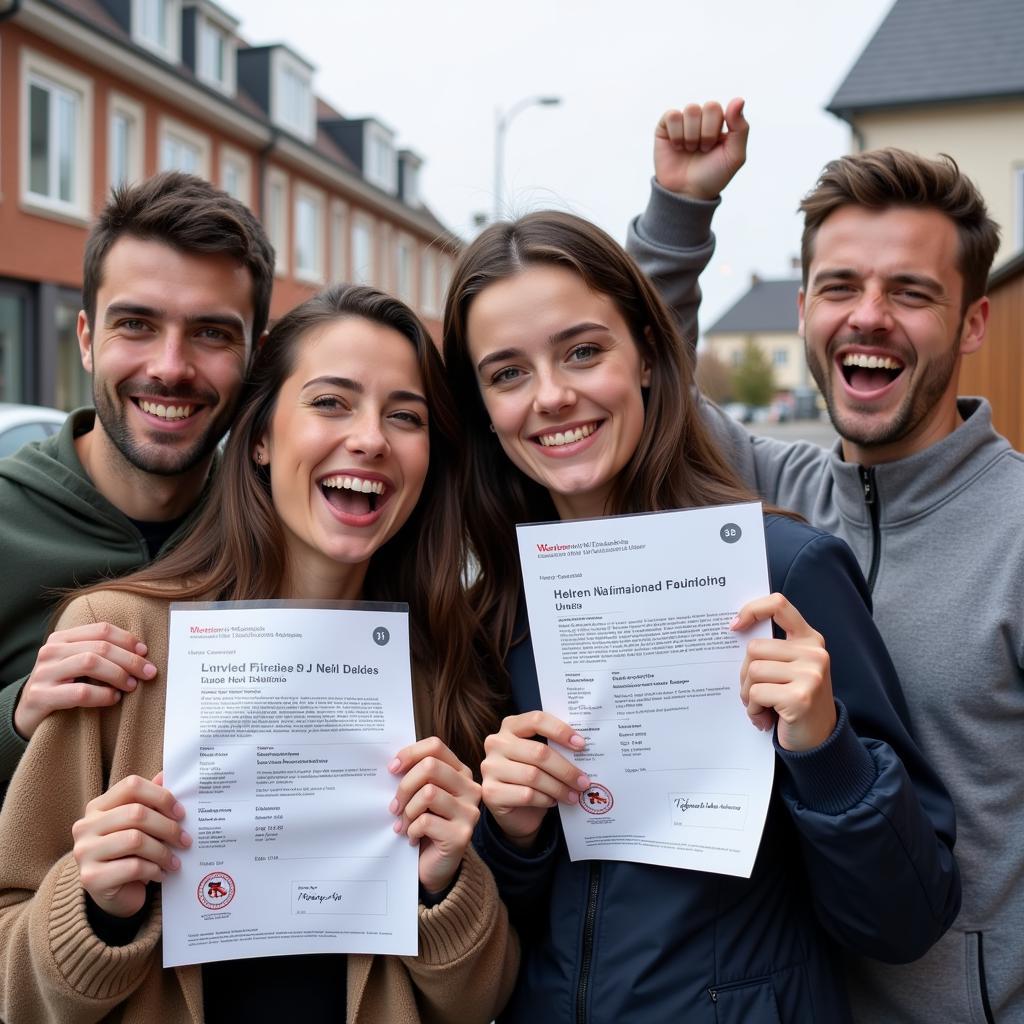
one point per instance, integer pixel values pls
(98, 92)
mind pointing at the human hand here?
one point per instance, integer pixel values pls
(523, 777)
(438, 806)
(125, 840)
(88, 666)
(692, 155)
(788, 677)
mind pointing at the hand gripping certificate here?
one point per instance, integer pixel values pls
(282, 717)
(629, 617)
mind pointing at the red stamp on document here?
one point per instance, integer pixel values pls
(596, 799)
(216, 890)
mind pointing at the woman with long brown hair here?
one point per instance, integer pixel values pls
(576, 395)
(334, 486)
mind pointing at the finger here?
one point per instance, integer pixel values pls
(736, 121)
(455, 835)
(431, 772)
(670, 127)
(76, 695)
(500, 797)
(132, 664)
(691, 127)
(782, 650)
(101, 631)
(137, 818)
(131, 842)
(541, 723)
(433, 747)
(535, 754)
(135, 790)
(515, 774)
(775, 606)
(94, 666)
(436, 801)
(775, 672)
(113, 874)
(711, 121)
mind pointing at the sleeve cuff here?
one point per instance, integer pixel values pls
(465, 916)
(835, 776)
(12, 746)
(88, 964)
(498, 851)
(675, 222)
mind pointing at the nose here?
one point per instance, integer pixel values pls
(171, 361)
(870, 313)
(366, 437)
(553, 393)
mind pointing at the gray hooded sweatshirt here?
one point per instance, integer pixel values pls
(940, 537)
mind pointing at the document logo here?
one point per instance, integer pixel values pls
(216, 890)
(597, 799)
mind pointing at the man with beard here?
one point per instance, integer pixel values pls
(895, 254)
(177, 283)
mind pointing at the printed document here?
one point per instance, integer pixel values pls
(629, 617)
(282, 718)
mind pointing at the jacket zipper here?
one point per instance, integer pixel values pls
(982, 983)
(867, 482)
(589, 924)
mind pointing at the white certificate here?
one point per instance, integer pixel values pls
(629, 617)
(281, 720)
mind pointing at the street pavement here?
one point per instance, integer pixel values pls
(819, 432)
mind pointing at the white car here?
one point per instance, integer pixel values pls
(20, 424)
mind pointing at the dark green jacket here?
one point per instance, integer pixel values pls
(56, 532)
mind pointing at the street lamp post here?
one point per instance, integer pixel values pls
(501, 123)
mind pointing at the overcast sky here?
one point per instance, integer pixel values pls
(436, 72)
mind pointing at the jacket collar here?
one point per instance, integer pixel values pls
(910, 487)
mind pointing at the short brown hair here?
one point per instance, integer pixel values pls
(192, 216)
(881, 178)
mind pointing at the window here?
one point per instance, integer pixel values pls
(380, 163)
(156, 24)
(362, 250)
(56, 137)
(213, 57)
(1019, 214)
(736, 357)
(339, 239)
(428, 283)
(404, 280)
(236, 174)
(73, 386)
(309, 239)
(124, 154)
(276, 217)
(292, 104)
(12, 330)
(182, 149)
(780, 357)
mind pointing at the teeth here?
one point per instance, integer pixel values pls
(871, 362)
(353, 483)
(166, 412)
(557, 439)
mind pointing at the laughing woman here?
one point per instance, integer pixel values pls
(576, 390)
(347, 386)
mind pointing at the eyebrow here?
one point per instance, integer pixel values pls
(347, 384)
(567, 334)
(117, 309)
(848, 274)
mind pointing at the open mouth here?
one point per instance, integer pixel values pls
(570, 435)
(865, 373)
(167, 409)
(354, 495)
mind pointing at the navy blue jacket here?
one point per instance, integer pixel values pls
(856, 855)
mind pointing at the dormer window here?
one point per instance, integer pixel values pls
(209, 45)
(156, 25)
(381, 163)
(409, 165)
(292, 106)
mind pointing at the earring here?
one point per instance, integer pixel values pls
(258, 456)
(491, 425)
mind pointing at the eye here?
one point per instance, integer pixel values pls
(582, 353)
(329, 403)
(912, 296)
(507, 375)
(133, 325)
(838, 290)
(217, 334)
(409, 417)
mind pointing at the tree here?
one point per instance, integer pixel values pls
(713, 378)
(752, 381)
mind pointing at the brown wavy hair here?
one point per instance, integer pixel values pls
(675, 465)
(235, 550)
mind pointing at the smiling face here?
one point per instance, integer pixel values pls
(884, 329)
(348, 448)
(561, 379)
(167, 353)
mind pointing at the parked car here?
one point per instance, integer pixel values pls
(20, 424)
(739, 411)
